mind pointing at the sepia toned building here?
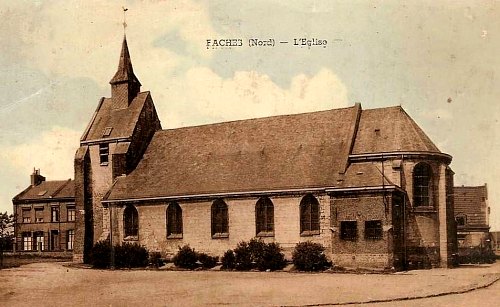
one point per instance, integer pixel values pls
(369, 185)
(44, 217)
(472, 216)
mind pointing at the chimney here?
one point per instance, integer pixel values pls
(36, 178)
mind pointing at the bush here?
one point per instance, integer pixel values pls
(309, 256)
(155, 260)
(207, 262)
(229, 260)
(100, 255)
(186, 258)
(130, 255)
(254, 254)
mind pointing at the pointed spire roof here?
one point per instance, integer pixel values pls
(125, 72)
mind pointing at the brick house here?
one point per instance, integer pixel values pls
(44, 217)
(472, 216)
(367, 184)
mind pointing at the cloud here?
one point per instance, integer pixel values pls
(53, 152)
(202, 96)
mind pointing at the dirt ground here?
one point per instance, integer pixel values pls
(52, 284)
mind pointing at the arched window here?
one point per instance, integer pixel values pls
(422, 185)
(309, 215)
(220, 220)
(174, 220)
(130, 221)
(264, 216)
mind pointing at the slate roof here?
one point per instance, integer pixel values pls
(48, 190)
(307, 150)
(471, 201)
(125, 72)
(121, 121)
(390, 130)
(280, 152)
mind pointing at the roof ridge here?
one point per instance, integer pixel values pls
(65, 183)
(423, 137)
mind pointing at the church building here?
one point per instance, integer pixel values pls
(369, 185)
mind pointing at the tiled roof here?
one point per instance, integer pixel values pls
(471, 201)
(48, 190)
(291, 151)
(119, 122)
(274, 153)
(390, 130)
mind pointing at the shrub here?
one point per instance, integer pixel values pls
(100, 255)
(229, 260)
(309, 256)
(130, 255)
(271, 258)
(243, 257)
(186, 258)
(155, 260)
(207, 261)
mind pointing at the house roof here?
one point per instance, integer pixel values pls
(390, 130)
(307, 150)
(109, 122)
(471, 202)
(48, 190)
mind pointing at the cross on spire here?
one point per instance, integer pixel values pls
(124, 18)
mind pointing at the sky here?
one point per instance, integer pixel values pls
(439, 60)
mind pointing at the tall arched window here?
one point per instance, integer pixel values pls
(130, 221)
(174, 220)
(309, 215)
(264, 216)
(422, 185)
(220, 220)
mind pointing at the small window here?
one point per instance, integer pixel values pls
(39, 215)
(264, 217)
(26, 215)
(39, 242)
(41, 193)
(71, 213)
(54, 214)
(131, 221)
(461, 220)
(27, 241)
(107, 131)
(104, 153)
(220, 220)
(174, 221)
(349, 230)
(373, 230)
(309, 215)
(70, 239)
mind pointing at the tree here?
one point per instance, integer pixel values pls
(6, 233)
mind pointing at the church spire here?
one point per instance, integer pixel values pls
(124, 85)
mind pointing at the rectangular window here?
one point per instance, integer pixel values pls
(39, 244)
(27, 241)
(39, 215)
(55, 214)
(54, 240)
(104, 153)
(373, 230)
(26, 215)
(71, 239)
(71, 213)
(349, 230)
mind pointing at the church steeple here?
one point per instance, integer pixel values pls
(124, 85)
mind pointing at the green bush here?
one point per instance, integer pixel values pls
(130, 255)
(243, 257)
(186, 258)
(155, 260)
(207, 261)
(271, 258)
(100, 255)
(228, 260)
(309, 256)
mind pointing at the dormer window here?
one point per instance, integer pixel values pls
(104, 153)
(107, 131)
